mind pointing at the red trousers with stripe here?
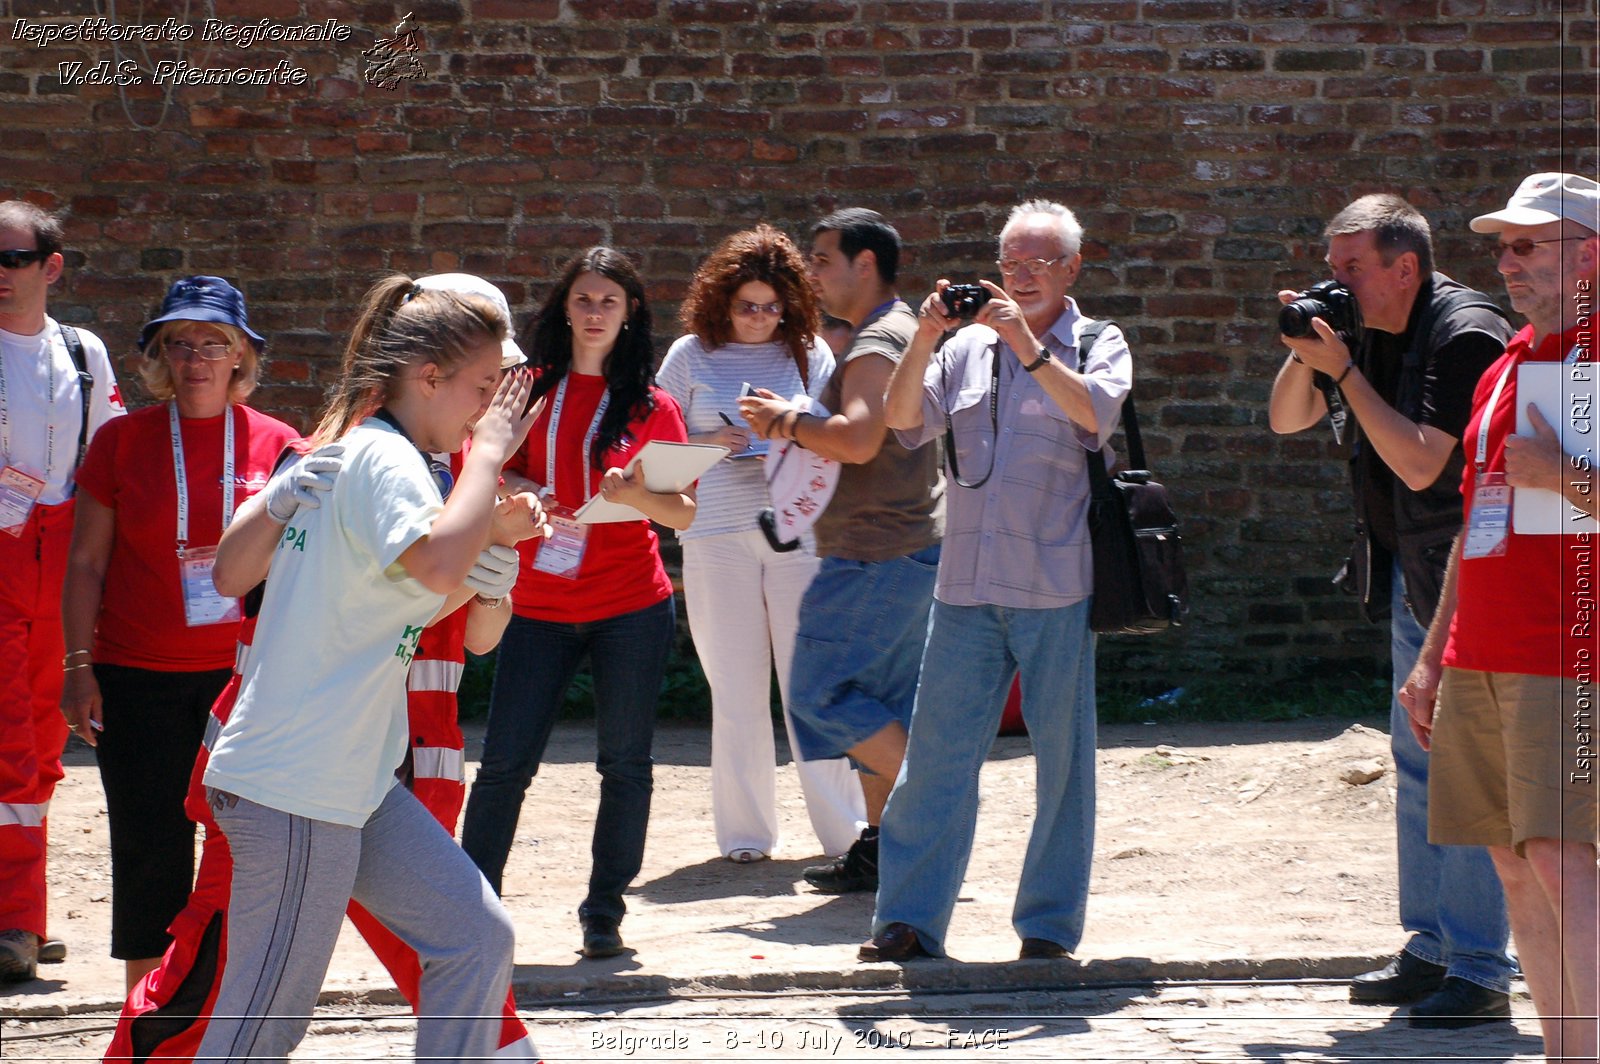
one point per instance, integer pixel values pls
(32, 730)
(165, 1015)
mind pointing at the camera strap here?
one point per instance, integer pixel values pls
(994, 423)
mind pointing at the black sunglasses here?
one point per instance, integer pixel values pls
(17, 258)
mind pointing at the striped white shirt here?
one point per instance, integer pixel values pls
(706, 384)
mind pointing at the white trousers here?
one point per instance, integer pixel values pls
(743, 602)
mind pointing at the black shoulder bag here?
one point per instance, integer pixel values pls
(1140, 584)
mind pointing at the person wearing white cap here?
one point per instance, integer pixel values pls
(469, 284)
(1503, 689)
(302, 776)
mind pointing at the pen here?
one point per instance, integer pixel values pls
(725, 419)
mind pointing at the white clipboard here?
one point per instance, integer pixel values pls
(667, 467)
(1565, 395)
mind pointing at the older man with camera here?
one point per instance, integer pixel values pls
(1391, 351)
(1023, 395)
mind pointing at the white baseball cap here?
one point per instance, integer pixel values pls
(1545, 198)
(467, 284)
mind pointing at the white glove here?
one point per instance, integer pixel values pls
(304, 482)
(494, 574)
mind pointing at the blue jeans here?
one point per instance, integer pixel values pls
(1451, 901)
(858, 650)
(537, 660)
(926, 838)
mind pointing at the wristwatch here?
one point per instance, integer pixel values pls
(1044, 356)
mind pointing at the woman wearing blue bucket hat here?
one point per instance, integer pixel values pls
(150, 643)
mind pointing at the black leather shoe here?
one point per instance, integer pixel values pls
(895, 943)
(856, 870)
(601, 937)
(1459, 1003)
(1403, 980)
(1041, 949)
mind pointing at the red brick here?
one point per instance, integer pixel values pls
(207, 116)
(610, 10)
(812, 11)
(738, 12)
(722, 118)
(855, 66)
(823, 121)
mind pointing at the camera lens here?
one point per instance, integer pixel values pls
(1295, 318)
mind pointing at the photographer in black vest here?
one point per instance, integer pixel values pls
(1391, 352)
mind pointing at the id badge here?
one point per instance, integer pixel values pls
(562, 554)
(201, 603)
(18, 492)
(1489, 520)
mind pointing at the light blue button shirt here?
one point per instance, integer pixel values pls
(1021, 539)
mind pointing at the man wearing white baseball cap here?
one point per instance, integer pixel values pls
(1512, 652)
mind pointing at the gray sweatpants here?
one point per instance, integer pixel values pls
(292, 879)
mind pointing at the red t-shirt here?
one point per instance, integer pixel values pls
(129, 469)
(621, 570)
(1530, 610)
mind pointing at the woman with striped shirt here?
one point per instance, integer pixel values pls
(751, 318)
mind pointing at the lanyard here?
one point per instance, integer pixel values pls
(1494, 402)
(588, 438)
(50, 405)
(879, 309)
(438, 467)
(183, 477)
(1488, 415)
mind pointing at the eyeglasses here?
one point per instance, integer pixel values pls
(746, 309)
(20, 257)
(184, 351)
(1524, 247)
(1035, 266)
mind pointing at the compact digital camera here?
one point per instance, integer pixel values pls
(963, 300)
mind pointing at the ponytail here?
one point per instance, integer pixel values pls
(401, 324)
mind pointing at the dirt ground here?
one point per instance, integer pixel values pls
(1252, 846)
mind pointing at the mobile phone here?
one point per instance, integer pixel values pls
(746, 389)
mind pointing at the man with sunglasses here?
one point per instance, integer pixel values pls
(56, 390)
(1512, 652)
(1401, 387)
(1025, 397)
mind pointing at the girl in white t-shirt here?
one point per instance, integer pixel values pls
(302, 776)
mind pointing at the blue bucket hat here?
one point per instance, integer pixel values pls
(203, 299)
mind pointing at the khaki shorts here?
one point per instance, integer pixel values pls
(1513, 759)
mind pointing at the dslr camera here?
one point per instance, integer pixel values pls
(1328, 300)
(963, 300)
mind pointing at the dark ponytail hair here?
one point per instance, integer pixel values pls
(630, 367)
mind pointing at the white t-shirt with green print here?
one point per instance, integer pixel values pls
(320, 723)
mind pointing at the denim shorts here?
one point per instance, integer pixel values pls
(858, 652)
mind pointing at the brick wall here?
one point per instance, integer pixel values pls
(1203, 143)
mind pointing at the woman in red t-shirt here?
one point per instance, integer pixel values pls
(150, 643)
(595, 590)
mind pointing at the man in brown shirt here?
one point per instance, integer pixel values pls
(864, 618)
